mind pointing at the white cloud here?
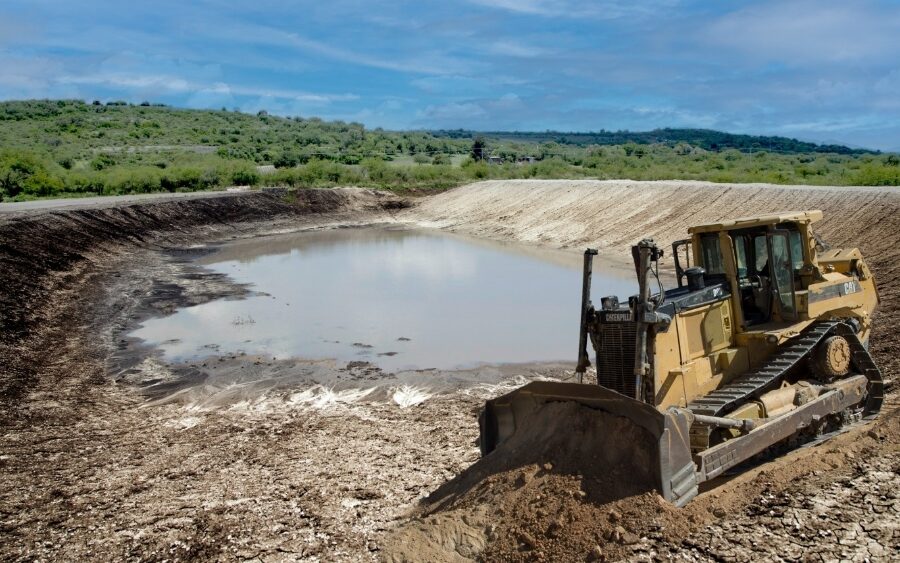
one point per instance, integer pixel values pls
(521, 6)
(218, 95)
(505, 111)
(32, 77)
(594, 9)
(453, 112)
(152, 82)
(807, 31)
(512, 48)
(435, 62)
(176, 84)
(828, 125)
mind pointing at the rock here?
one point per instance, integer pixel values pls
(548, 466)
(555, 527)
(622, 536)
(719, 512)
(614, 535)
(614, 516)
(524, 478)
(528, 540)
(596, 554)
(628, 538)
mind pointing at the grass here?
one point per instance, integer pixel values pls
(70, 148)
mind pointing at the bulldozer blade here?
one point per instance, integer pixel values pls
(673, 469)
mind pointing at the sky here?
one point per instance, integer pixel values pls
(819, 70)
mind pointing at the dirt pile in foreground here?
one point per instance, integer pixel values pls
(569, 480)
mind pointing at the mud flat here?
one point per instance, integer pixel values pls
(91, 466)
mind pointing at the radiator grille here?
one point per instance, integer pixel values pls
(615, 357)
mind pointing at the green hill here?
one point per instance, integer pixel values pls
(707, 139)
(70, 147)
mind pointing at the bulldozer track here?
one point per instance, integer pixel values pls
(770, 375)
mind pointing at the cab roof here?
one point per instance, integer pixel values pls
(759, 221)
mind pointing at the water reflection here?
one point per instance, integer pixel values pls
(399, 298)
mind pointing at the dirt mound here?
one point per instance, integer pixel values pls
(611, 215)
(571, 482)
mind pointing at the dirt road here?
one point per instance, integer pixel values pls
(100, 202)
(92, 468)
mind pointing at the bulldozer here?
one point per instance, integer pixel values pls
(762, 343)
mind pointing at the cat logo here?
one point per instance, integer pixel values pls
(618, 317)
(851, 287)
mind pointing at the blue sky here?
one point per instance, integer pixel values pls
(818, 70)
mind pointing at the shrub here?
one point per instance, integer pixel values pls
(189, 179)
(86, 181)
(102, 161)
(133, 180)
(25, 172)
(242, 174)
(877, 175)
(287, 159)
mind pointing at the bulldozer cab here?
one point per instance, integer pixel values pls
(765, 261)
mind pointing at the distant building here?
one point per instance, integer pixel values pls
(494, 160)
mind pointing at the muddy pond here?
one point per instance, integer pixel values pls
(398, 298)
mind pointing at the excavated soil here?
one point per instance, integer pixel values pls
(566, 464)
(92, 467)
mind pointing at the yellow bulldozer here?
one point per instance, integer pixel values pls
(764, 342)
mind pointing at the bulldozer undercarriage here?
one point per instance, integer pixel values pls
(774, 373)
(685, 456)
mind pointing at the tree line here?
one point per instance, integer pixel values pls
(71, 147)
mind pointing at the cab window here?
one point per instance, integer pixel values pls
(797, 250)
(711, 254)
(740, 253)
(751, 253)
(761, 251)
(796, 242)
